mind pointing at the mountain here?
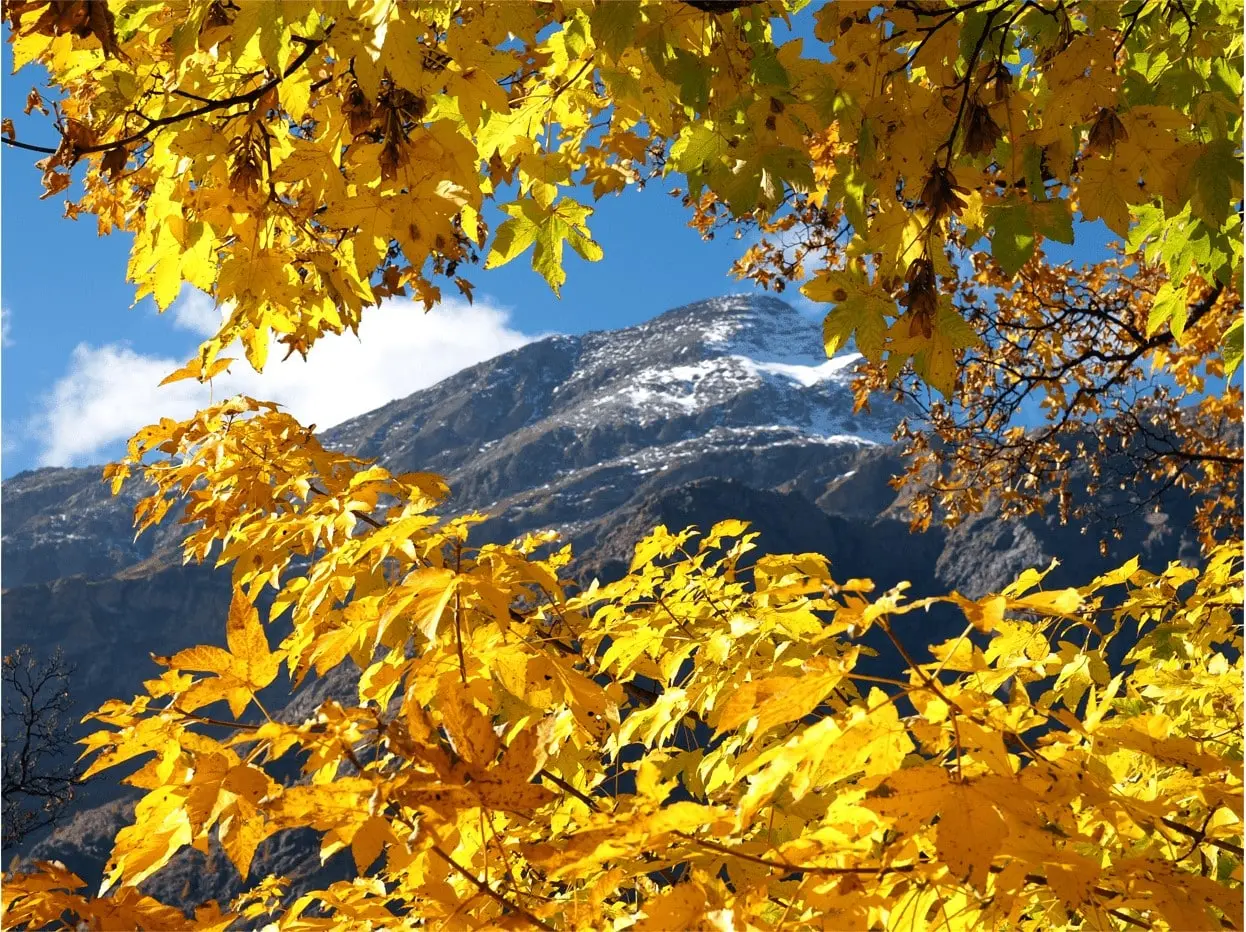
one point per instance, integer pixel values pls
(725, 407)
(563, 431)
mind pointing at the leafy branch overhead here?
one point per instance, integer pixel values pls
(300, 162)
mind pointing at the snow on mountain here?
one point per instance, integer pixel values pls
(706, 359)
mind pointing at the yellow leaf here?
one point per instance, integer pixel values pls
(241, 832)
(1051, 602)
(677, 907)
(910, 798)
(984, 614)
(435, 588)
(989, 745)
(470, 732)
(1107, 188)
(194, 370)
(245, 669)
(776, 700)
(368, 842)
(860, 311)
(970, 833)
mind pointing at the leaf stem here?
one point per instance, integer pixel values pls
(489, 891)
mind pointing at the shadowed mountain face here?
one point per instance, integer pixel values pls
(724, 408)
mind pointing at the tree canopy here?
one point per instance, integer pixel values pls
(692, 745)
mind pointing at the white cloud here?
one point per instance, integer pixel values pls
(110, 391)
(6, 327)
(195, 311)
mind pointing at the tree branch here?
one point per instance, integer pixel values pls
(309, 48)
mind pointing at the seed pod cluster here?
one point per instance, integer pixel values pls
(921, 297)
(941, 193)
(1105, 133)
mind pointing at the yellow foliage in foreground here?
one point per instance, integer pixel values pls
(694, 745)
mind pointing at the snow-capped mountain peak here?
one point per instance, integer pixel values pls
(703, 359)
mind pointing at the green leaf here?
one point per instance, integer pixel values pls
(1013, 239)
(614, 26)
(1018, 225)
(696, 146)
(1032, 168)
(866, 149)
(1213, 175)
(1169, 307)
(1149, 220)
(690, 73)
(1231, 348)
(851, 186)
(767, 69)
(1054, 220)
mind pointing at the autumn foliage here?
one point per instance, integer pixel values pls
(702, 743)
(691, 744)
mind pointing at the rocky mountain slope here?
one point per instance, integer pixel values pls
(726, 407)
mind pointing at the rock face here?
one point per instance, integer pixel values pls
(63, 522)
(566, 429)
(725, 407)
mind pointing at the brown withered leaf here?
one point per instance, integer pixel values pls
(113, 163)
(79, 135)
(34, 101)
(54, 182)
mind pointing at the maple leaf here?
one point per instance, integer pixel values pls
(195, 370)
(1232, 348)
(241, 671)
(1017, 227)
(860, 313)
(1106, 190)
(934, 356)
(971, 832)
(548, 229)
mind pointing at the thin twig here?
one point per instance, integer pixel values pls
(490, 892)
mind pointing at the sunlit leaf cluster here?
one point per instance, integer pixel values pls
(300, 161)
(700, 743)
(719, 739)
